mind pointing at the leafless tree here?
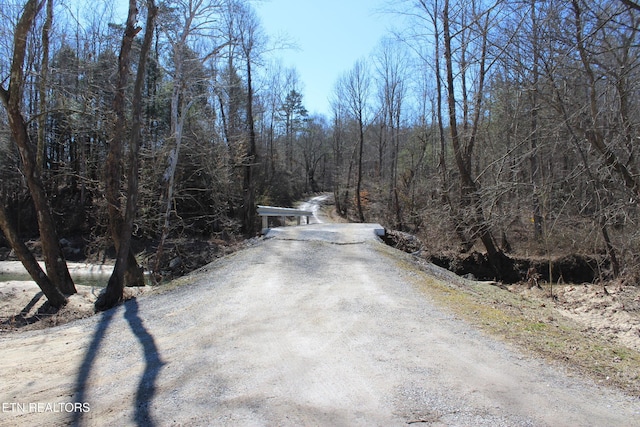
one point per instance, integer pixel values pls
(114, 164)
(12, 100)
(355, 87)
(50, 291)
(183, 25)
(42, 84)
(391, 63)
(632, 4)
(474, 25)
(341, 178)
(251, 41)
(123, 227)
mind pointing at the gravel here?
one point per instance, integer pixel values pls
(314, 325)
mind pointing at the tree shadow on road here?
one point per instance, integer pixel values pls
(153, 364)
(87, 363)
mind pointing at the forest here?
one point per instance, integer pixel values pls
(497, 131)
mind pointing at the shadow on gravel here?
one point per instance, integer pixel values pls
(85, 367)
(153, 364)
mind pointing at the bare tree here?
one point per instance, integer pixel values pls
(313, 147)
(425, 40)
(53, 295)
(632, 4)
(391, 64)
(12, 100)
(340, 153)
(355, 86)
(612, 58)
(535, 132)
(114, 163)
(464, 144)
(183, 25)
(42, 85)
(273, 103)
(250, 40)
(114, 292)
(593, 132)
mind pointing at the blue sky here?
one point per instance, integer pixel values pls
(331, 35)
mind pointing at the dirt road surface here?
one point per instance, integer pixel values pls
(314, 205)
(315, 325)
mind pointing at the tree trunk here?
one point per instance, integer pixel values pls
(338, 156)
(55, 297)
(42, 86)
(469, 191)
(115, 288)
(171, 172)
(248, 185)
(535, 106)
(442, 157)
(134, 274)
(359, 179)
(51, 250)
(611, 250)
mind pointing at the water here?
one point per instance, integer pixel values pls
(82, 274)
(97, 280)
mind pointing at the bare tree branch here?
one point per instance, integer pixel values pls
(632, 4)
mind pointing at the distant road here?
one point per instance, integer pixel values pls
(314, 205)
(314, 325)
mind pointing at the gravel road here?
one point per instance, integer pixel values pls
(314, 205)
(314, 325)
